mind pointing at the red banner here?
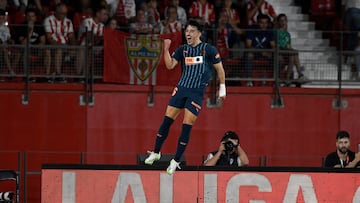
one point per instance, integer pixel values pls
(138, 59)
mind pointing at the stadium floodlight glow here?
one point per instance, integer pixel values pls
(6, 196)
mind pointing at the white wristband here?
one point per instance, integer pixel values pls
(222, 90)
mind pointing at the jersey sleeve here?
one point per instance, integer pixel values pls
(214, 55)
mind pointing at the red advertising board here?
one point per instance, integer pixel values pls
(154, 186)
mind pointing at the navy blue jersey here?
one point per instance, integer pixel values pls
(261, 38)
(196, 64)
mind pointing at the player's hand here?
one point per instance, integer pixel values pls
(167, 43)
(222, 91)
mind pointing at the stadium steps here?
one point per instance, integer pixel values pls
(320, 65)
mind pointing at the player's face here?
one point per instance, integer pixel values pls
(343, 145)
(192, 35)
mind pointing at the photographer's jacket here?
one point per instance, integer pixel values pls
(226, 159)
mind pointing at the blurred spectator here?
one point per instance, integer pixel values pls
(351, 9)
(140, 26)
(122, 10)
(153, 15)
(260, 38)
(181, 13)
(5, 38)
(45, 7)
(224, 32)
(236, 39)
(83, 10)
(230, 153)
(231, 13)
(259, 7)
(170, 24)
(59, 31)
(91, 29)
(241, 8)
(284, 43)
(204, 10)
(32, 32)
(343, 157)
(112, 23)
(357, 59)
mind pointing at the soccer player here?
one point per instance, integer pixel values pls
(197, 60)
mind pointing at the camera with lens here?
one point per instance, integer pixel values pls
(229, 146)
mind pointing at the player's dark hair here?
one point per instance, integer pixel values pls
(195, 24)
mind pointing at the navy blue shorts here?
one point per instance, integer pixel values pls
(189, 98)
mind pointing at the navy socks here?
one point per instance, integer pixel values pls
(183, 141)
(163, 133)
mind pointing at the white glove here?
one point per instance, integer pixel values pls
(222, 90)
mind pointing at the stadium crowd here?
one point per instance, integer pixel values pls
(61, 22)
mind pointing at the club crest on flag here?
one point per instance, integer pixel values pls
(143, 54)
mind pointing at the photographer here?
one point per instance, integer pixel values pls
(229, 154)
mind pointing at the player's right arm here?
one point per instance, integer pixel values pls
(170, 62)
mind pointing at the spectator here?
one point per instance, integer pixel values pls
(260, 38)
(46, 6)
(231, 13)
(236, 38)
(112, 23)
(230, 153)
(84, 10)
(5, 38)
(259, 7)
(59, 31)
(224, 32)
(153, 15)
(357, 58)
(181, 13)
(290, 55)
(33, 33)
(204, 10)
(140, 26)
(241, 8)
(91, 29)
(122, 10)
(343, 157)
(170, 24)
(352, 23)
